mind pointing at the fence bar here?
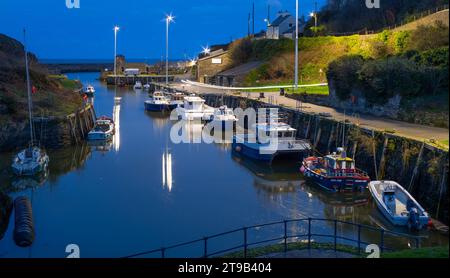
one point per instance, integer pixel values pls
(359, 239)
(309, 233)
(335, 235)
(205, 250)
(245, 242)
(285, 236)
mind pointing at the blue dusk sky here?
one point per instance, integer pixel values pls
(56, 32)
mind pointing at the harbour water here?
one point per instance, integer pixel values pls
(143, 192)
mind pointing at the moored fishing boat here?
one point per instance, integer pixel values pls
(138, 85)
(89, 91)
(159, 102)
(398, 206)
(103, 129)
(281, 142)
(335, 172)
(194, 109)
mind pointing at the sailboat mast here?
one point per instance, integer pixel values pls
(30, 105)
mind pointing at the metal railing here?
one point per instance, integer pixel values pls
(285, 238)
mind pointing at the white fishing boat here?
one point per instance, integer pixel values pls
(271, 139)
(138, 85)
(159, 102)
(147, 87)
(103, 130)
(194, 109)
(224, 117)
(398, 206)
(89, 90)
(32, 160)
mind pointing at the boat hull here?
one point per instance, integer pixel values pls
(336, 184)
(253, 151)
(159, 107)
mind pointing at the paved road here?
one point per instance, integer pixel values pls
(415, 131)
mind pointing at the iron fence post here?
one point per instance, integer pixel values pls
(245, 242)
(285, 236)
(205, 250)
(335, 235)
(309, 233)
(382, 240)
(359, 239)
(417, 243)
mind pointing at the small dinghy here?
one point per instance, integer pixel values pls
(138, 85)
(398, 206)
(103, 130)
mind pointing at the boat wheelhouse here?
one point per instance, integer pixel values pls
(224, 118)
(159, 102)
(335, 172)
(103, 130)
(271, 140)
(194, 109)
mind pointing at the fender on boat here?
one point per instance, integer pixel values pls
(24, 227)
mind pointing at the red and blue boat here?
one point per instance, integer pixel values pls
(335, 172)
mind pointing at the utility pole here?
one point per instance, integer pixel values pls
(248, 25)
(253, 28)
(296, 46)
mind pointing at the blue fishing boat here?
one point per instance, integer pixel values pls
(159, 102)
(281, 142)
(335, 172)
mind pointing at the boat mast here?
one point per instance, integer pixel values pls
(30, 105)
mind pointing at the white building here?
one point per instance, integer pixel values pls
(284, 27)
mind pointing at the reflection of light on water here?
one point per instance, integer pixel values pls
(167, 170)
(116, 118)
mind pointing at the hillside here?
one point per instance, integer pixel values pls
(54, 96)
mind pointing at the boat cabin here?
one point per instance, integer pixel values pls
(193, 103)
(279, 130)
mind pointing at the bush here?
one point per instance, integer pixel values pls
(241, 50)
(344, 74)
(429, 37)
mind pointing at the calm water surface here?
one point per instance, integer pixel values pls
(114, 200)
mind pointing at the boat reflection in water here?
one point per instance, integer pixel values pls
(159, 119)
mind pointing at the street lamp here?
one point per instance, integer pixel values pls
(206, 50)
(116, 29)
(313, 14)
(169, 18)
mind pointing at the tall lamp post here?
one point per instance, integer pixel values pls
(116, 29)
(296, 45)
(314, 14)
(169, 19)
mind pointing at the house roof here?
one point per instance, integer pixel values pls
(214, 54)
(241, 70)
(279, 20)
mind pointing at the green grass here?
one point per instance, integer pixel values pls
(444, 142)
(65, 82)
(422, 253)
(279, 248)
(319, 90)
